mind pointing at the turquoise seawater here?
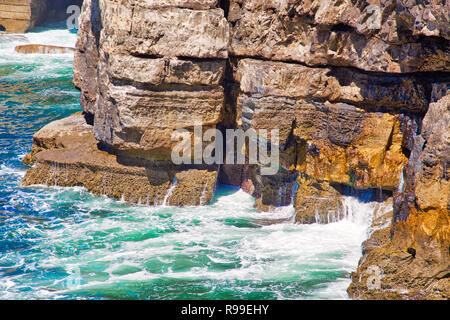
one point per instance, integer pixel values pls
(64, 243)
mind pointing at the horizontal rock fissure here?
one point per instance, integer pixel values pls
(165, 88)
(425, 76)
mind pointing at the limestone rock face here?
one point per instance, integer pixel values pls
(164, 31)
(277, 79)
(86, 59)
(384, 36)
(68, 155)
(430, 175)
(416, 262)
(188, 4)
(358, 91)
(19, 16)
(318, 202)
(145, 69)
(350, 147)
(330, 131)
(67, 133)
(142, 111)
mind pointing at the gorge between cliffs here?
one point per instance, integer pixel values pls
(359, 206)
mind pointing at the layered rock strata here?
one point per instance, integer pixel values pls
(19, 16)
(68, 155)
(144, 96)
(358, 92)
(42, 49)
(331, 130)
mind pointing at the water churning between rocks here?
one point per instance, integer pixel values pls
(64, 243)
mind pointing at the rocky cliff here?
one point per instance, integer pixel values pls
(359, 91)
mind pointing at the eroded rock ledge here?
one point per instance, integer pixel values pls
(68, 155)
(348, 86)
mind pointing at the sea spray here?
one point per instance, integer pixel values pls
(204, 195)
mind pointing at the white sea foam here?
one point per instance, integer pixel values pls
(5, 170)
(262, 251)
(42, 66)
(59, 37)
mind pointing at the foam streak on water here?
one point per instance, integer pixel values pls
(61, 243)
(223, 250)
